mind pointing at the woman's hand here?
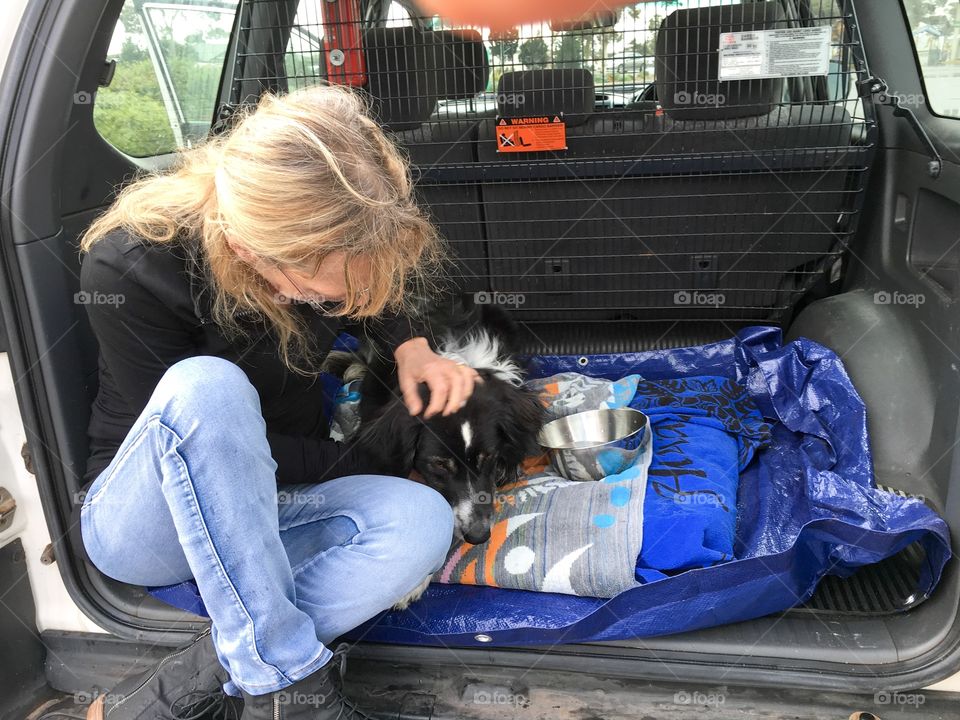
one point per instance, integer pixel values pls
(450, 383)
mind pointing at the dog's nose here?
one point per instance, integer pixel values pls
(477, 535)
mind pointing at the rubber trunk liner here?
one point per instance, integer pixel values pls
(884, 588)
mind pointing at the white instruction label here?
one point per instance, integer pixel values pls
(790, 52)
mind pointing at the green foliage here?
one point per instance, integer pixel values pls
(130, 113)
(504, 50)
(197, 85)
(570, 51)
(534, 53)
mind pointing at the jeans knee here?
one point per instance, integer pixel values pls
(432, 521)
(414, 522)
(209, 381)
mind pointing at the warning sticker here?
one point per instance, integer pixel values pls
(529, 134)
(790, 52)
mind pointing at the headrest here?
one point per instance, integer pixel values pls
(461, 62)
(401, 76)
(544, 92)
(688, 59)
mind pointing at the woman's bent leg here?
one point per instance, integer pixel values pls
(202, 441)
(358, 544)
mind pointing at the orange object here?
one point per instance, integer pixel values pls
(532, 465)
(504, 14)
(531, 134)
(343, 43)
(498, 536)
(469, 576)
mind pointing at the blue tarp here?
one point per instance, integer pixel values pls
(807, 507)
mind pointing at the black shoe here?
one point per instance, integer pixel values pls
(206, 705)
(317, 697)
(187, 684)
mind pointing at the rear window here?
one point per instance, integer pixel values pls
(619, 54)
(617, 48)
(935, 28)
(169, 59)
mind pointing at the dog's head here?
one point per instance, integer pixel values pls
(466, 455)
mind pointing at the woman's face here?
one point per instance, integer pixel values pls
(325, 287)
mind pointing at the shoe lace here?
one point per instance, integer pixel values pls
(340, 655)
(348, 709)
(203, 705)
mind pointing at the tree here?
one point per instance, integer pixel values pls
(570, 51)
(130, 20)
(599, 52)
(534, 53)
(929, 12)
(503, 48)
(130, 113)
(130, 52)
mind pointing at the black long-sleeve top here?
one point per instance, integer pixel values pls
(149, 307)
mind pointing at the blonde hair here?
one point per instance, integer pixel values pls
(299, 177)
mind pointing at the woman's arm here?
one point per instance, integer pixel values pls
(140, 331)
(140, 311)
(450, 383)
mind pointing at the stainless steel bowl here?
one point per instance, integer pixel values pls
(593, 444)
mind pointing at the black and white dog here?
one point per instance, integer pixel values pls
(466, 455)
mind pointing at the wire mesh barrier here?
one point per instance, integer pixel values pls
(668, 161)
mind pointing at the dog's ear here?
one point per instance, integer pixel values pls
(518, 415)
(390, 440)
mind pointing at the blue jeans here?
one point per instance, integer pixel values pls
(192, 493)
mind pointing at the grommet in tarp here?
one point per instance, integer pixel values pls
(582, 361)
(483, 637)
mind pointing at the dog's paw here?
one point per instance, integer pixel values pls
(336, 362)
(412, 596)
(356, 371)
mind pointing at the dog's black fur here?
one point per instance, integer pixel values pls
(501, 416)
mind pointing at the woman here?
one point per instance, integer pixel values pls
(215, 291)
